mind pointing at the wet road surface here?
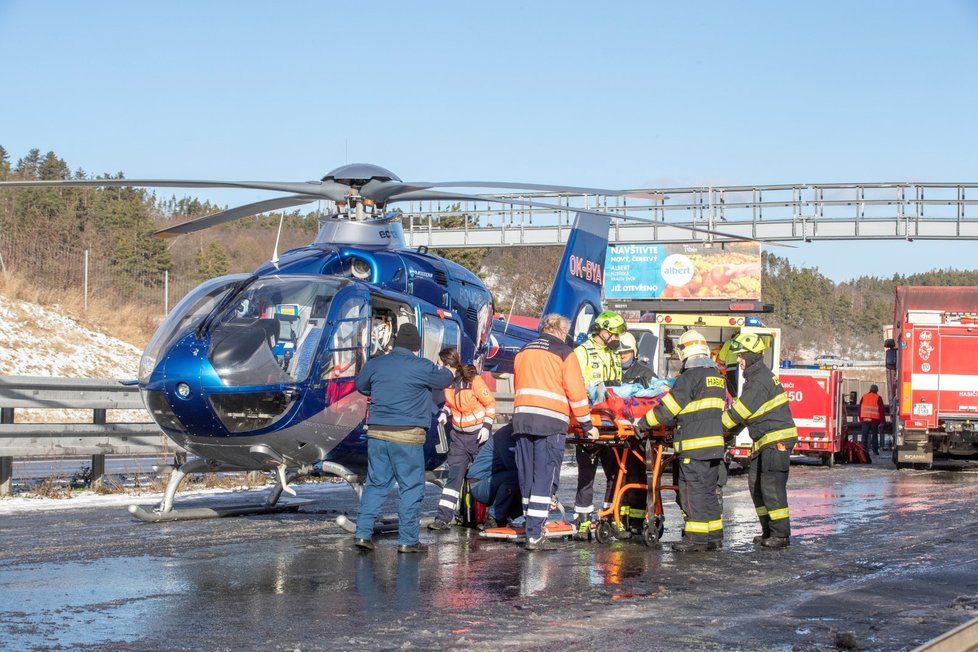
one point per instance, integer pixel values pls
(882, 559)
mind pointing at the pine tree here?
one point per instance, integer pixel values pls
(211, 260)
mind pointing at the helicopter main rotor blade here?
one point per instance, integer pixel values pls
(232, 214)
(512, 185)
(322, 189)
(423, 195)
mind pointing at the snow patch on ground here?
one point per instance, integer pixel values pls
(39, 341)
(89, 499)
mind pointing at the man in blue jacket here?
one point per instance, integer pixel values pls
(399, 416)
(494, 479)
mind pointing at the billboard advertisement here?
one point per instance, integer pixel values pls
(683, 271)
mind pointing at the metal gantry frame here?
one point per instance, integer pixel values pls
(773, 213)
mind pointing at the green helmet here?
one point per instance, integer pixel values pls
(609, 321)
(747, 342)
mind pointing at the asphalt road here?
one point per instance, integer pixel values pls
(880, 559)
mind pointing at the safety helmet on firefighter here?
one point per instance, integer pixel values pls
(692, 343)
(742, 342)
(627, 343)
(609, 321)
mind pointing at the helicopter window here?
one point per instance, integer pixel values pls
(187, 314)
(349, 340)
(437, 334)
(273, 320)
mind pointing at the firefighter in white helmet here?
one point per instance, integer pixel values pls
(763, 405)
(633, 371)
(695, 404)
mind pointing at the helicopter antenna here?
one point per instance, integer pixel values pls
(511, 308)
(278, 235)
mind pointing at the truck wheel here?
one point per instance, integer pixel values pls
(828, 460)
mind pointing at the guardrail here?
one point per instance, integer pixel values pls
(98, 439)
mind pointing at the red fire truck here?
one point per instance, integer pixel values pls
(935, 394)
(816, 402)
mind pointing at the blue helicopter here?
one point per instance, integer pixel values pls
(256, 371)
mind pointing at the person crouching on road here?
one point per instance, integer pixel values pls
(695, 403)
(494, 479)
(399, 385)
(549, 391)
(472, 410)
(763, 406)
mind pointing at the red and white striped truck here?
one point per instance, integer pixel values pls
(934, 399)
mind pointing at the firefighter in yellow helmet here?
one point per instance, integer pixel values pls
(695, 404)
(601, 366)
(763, 406)
(598, 354)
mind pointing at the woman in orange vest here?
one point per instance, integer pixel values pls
(871, 418)
(472, 410)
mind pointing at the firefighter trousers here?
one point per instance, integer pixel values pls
(588, 457)
(697, 498)
(768, 482)
(462, 449)
(538, 459)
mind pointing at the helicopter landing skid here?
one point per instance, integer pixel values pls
(195, 513)
(165, 512)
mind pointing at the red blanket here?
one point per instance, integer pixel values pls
(626, 408)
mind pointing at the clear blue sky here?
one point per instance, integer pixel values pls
(580, 93)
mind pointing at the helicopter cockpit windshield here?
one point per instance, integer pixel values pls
(269, 334)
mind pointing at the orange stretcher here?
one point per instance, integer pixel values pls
(551, 530)
(654, 450)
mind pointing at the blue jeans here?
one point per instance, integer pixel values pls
(501, 492)
(870, 436)
(388, 463)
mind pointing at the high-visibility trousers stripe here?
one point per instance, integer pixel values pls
(778, 514)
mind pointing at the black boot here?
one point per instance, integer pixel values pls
(686, 545)
(489, 524)
(775, 542)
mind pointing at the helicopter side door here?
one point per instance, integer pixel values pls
(438, 333)
(346, 350)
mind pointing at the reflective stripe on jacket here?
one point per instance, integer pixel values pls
(598, 363)
(471, 406)
(548, 388)
(763, 406)
(695, 403)
(871, 408)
